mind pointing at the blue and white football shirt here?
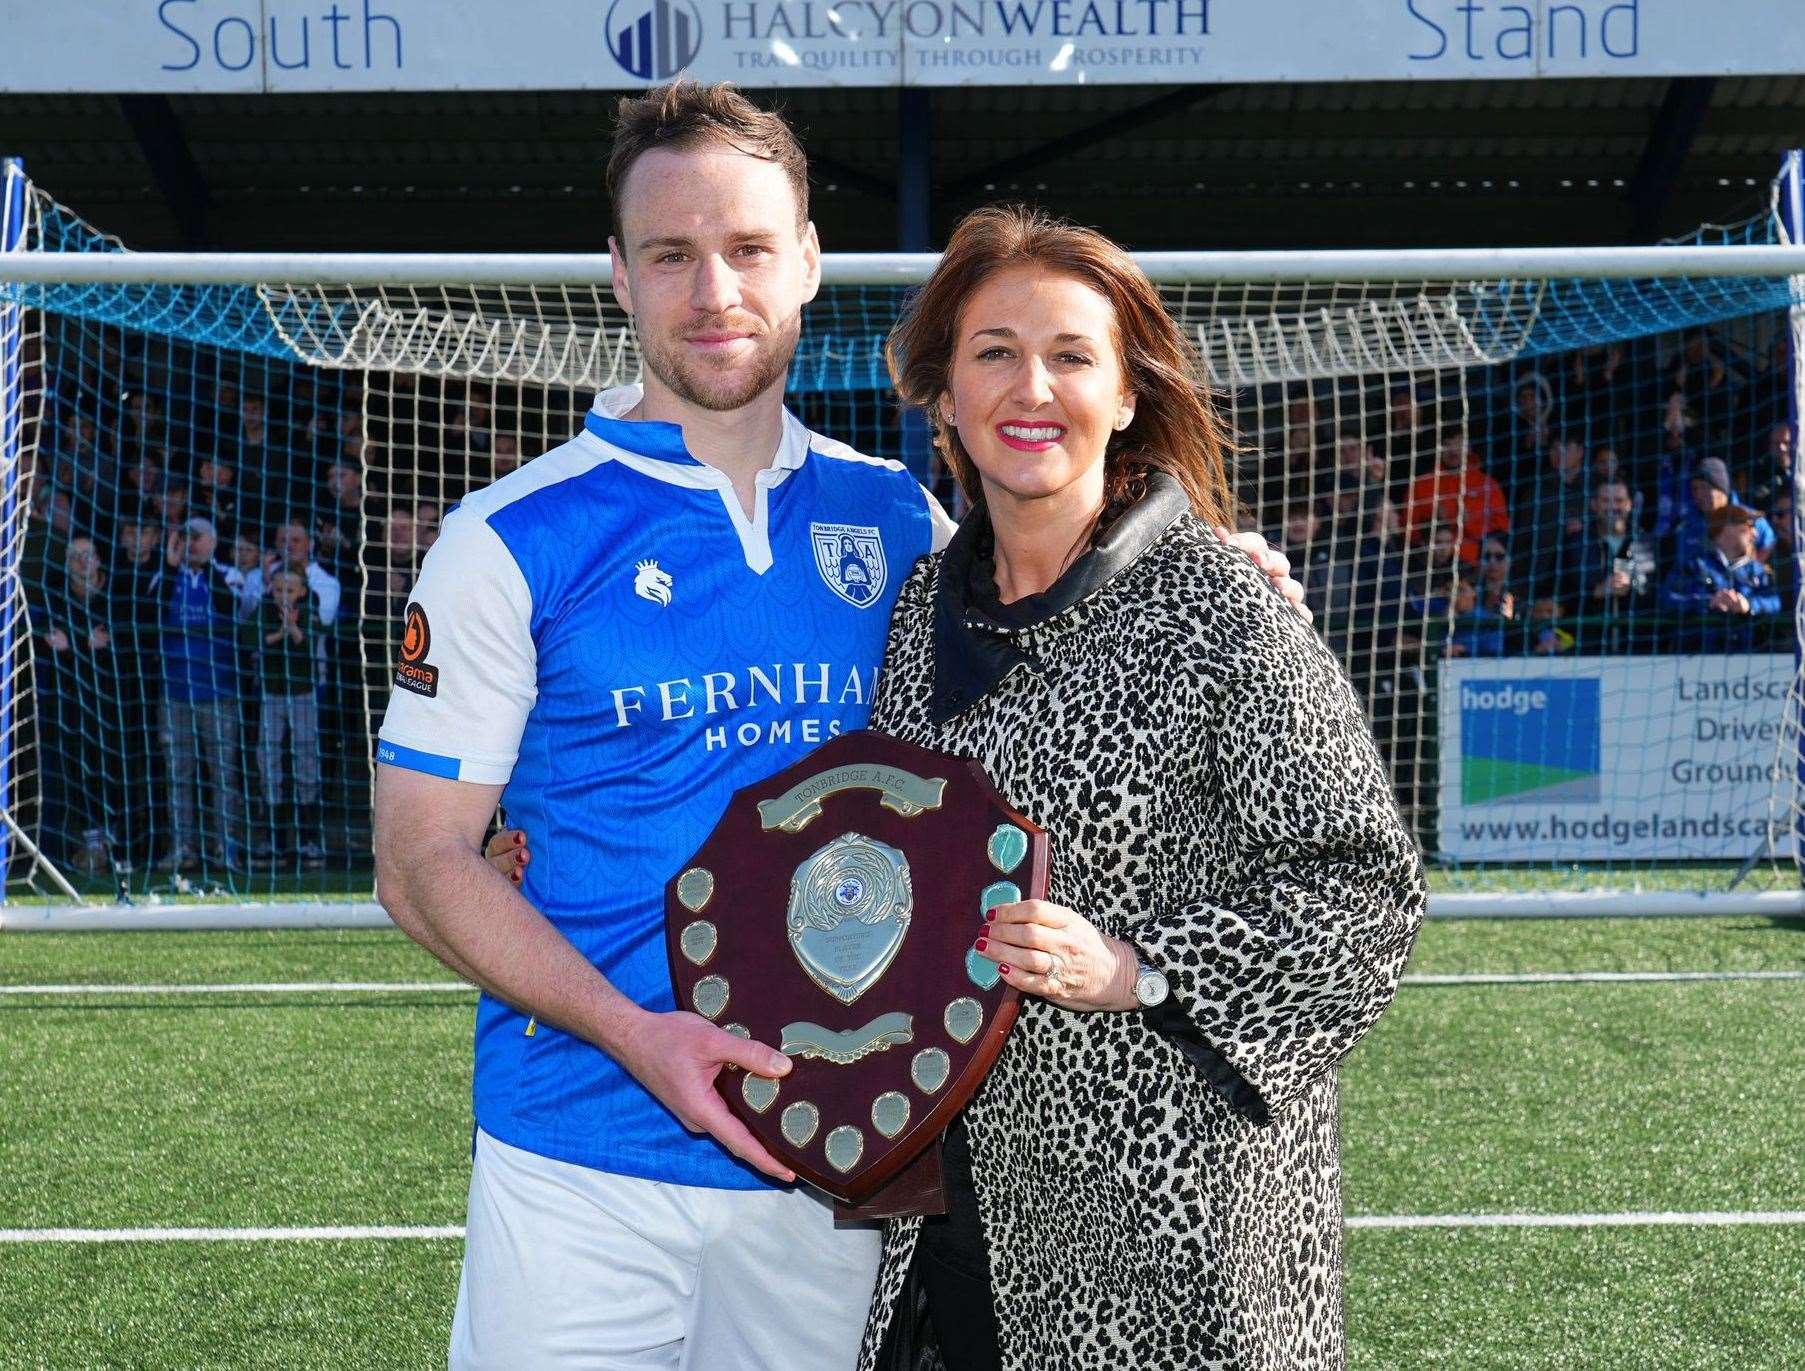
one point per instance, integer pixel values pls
(608, 634)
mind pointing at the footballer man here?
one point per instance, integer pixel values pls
(685, 598)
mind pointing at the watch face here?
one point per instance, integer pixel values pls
(1150, 987)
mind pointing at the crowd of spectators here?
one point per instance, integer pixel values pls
(206, 577)
(1630, 498)
(1614, 500)
(220, 551)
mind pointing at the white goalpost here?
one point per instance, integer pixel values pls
(1556, 759)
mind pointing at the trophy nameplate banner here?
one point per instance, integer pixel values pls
(831, 915)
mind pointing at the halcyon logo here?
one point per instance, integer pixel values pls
(1529, 740)
(654, 41)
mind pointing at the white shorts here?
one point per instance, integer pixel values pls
(576, 1269)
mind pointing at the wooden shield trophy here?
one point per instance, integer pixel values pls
(831, 914)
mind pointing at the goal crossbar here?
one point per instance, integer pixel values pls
(1166, 268)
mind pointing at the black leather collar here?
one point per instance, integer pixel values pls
(978, 640)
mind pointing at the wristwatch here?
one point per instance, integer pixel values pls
(1150, 986)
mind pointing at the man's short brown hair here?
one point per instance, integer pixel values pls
(685, 115)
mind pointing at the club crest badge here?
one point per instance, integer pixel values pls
(850, 558)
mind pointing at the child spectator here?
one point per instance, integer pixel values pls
(281, 640)
(1547, 637)
(1477, 631)
(1436, 598)
(294, 552)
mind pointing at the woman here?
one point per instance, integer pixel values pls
(1140, 1181)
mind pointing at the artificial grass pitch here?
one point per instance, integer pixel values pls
(334, 1108)
(1601, 1299)
(1697, 1299)
(348, 1306)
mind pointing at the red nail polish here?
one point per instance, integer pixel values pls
(983, 943)
(990, 915)
(1004, 968)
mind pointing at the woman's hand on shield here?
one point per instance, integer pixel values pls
(1054, 952)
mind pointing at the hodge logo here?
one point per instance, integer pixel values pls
(1530, 740)
(1506, 698)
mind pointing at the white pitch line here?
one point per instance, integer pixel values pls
(247, 988)
(441, 987)
(1600, 977)
(1703, 1219)
(445, 1232)
(99, 1235)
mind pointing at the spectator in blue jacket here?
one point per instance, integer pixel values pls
(1723, 590)
(197, 600)
(1712, 491)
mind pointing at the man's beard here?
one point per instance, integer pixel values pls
(701, 385)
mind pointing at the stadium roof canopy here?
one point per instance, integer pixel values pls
(1197, 166)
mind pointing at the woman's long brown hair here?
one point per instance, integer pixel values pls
(1175, 429)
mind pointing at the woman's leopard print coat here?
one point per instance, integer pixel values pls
(1213, 795)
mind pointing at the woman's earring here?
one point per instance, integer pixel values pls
(1124, 419)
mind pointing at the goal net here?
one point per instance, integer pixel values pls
(1505, 494)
